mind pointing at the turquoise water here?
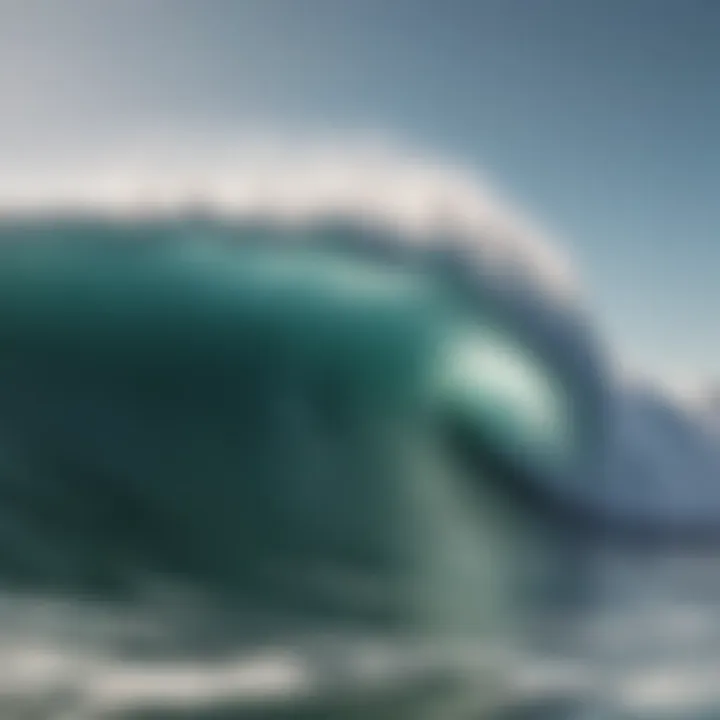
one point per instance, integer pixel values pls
(243, 476)
(261, 434)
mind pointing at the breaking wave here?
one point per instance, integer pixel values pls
(120, 623)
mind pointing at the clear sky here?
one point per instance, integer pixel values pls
(601, 117)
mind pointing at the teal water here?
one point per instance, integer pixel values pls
(230, 477)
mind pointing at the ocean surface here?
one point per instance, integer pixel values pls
(360, 568)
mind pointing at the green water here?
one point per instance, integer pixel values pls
(268, 429)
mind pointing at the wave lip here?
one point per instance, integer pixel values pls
(378, 184)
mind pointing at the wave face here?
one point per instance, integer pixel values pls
(203, 408)
(360, 548)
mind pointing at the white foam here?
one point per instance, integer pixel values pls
(370, 181)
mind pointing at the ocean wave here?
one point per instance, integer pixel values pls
(84, 521)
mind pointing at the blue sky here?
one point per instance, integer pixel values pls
(601, 117)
